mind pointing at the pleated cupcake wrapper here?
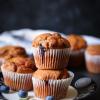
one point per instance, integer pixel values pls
(92, 63)
(1, 62)
(56, 88)
(92, 58)
(52, 58)
(77, 53)
(17, 81)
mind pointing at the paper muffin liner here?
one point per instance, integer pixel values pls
(1, 62)
(17, 81)
(78, 52)
(92, 62)
(76, 58)
(56, 88)
(52, 58)
(94, 58)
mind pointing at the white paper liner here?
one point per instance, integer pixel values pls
(1, 62)
(92, 58)
(17, 81)
(52, 59)
(57, 88)
(76, 53)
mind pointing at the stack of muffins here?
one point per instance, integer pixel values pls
(51, 55)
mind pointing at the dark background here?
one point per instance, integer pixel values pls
(78, 16)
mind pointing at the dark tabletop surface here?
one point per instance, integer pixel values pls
(79, 73)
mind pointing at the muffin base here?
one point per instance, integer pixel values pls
(56, 88)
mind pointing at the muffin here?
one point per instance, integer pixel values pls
(51, 83)
(92, 56)
(17, 73)
(51, 51)
(78, 46)
(11, 51)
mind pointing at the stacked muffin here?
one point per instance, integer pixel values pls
(51, 55)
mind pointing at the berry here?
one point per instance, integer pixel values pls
(22, 93)
(4, 88)
(50, 98)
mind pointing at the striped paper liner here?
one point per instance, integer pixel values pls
(17, 81)
(56, 88)
(52, 58)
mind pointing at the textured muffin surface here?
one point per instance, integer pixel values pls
(77, 42)
(20, 65)
(51, 74)
(12, 51)
(93, 49)
(54, 41)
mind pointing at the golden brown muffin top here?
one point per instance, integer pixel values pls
(20, 65)
(12, 51)
(51, 74)
(93, 49)
(77, 42)
(51, 41)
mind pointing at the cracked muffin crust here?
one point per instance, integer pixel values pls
(51, 74)
(51, 41)
(11, 51)
(77, 42)
(20, 65)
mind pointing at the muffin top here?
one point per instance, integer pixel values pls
(93, 49)
(51, 41)
(77, 42)
(20, 64)
(51, 74)
(12, 51)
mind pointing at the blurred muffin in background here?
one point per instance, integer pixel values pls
(17, 72)
(78, 46)
(51, 51)
(7, 52)
(92, 56)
